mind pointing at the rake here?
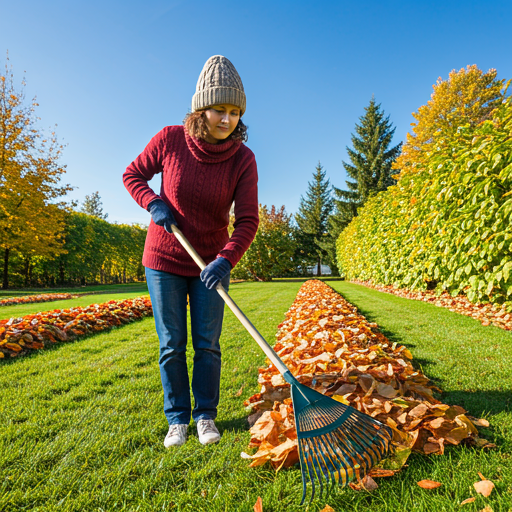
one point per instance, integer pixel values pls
(337, 443)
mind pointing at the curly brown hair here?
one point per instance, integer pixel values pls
(195, 123)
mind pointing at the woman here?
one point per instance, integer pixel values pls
(205, 167)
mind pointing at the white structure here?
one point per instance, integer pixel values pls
(325, 269)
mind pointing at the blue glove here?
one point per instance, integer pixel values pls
(161, 214)
(215, 272)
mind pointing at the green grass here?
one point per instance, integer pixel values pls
(83, 427)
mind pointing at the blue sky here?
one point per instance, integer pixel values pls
(111, 74)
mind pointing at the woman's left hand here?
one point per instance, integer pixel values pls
(214, 272)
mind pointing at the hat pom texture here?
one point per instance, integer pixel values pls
(219, 83)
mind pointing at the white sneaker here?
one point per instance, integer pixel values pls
(176, 436)
(207, 432)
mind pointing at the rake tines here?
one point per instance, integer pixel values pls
(336, 442)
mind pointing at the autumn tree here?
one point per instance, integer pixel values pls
(31, 216)
(92, 205)
(271, 252)
(312, 217)
(467, 97)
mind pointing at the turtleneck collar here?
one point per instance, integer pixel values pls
(211, 153)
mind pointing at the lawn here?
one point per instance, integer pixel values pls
(82, 423)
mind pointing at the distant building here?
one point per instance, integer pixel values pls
(325, 269)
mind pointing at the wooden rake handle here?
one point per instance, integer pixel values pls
(260, 340)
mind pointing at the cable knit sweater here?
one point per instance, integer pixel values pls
(200, 181)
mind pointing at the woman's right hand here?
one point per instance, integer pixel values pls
(161, 214)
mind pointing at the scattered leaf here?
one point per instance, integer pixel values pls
(468, 500)
(484, 487)
(327, 508)
(239, 392)
(367, 483)
(258, 506)
(480, 422)
(429, 484)
(381, 473)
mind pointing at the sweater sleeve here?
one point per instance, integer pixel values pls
(143, 168)
(246, 215)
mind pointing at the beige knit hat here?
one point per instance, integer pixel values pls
(219, 83)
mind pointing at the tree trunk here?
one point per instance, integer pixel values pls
(319, 267)
(26, 271)
(124, 275)
(61, 272)
(5, 284)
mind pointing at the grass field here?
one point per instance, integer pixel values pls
(82, 423)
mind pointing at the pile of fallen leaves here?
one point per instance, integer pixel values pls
(44, 297)
(487, 314)
(33, 332)
(328, 345)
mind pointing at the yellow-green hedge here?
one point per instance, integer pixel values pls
(448, 223)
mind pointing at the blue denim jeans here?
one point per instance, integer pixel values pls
(168, 294)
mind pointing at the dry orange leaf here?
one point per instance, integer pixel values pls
(380, 473)
(484, 487)
(258, 506)
(469, 500)
(367, 483)
(327, 508)
(481, 422)
(429, 484)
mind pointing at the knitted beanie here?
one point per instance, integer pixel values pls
(219, 83)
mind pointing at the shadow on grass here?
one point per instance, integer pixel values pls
(480, 403)
(239, 424)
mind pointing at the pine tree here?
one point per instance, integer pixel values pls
(93, 206)
(370, 167)
(313, 215)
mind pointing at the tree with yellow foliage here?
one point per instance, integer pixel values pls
(31, 216)
(467, 97)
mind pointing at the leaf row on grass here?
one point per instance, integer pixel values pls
(23, 335)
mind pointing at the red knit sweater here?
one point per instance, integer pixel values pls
(200, 181)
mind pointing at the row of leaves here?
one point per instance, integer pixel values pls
(43, 297)
(447, 222)
(486, 314)
(20, 336)
(328, 345)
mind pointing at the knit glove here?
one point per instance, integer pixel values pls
(214, 272)
(161, 214)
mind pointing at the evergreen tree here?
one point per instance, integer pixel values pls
(370, 168)
(313, 215)
(93, 206)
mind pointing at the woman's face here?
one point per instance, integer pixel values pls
(221, 121)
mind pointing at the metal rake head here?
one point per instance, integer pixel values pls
(336, 442)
